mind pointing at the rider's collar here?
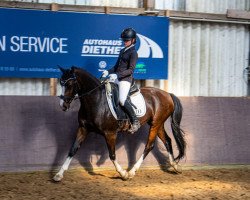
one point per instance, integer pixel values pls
(126, 48)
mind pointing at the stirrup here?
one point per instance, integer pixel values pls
(134, 127)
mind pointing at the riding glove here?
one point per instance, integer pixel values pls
(112, 77)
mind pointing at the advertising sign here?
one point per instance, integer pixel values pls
(33, 43)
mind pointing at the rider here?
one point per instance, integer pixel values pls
(122, 74)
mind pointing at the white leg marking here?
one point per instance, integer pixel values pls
(136, 167)
(123, 173)
(61, 100)
(59, 175)
(171, 159)
(176, 167)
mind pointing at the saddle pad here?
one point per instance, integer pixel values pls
(137, 99)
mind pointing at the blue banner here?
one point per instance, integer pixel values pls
(33, 43)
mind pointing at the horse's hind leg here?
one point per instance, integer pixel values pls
(162, 134)
(81, 135)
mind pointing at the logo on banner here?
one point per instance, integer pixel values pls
(148, 47)
(141, 68)
(111, 48)
(101, 48)
(102, 64)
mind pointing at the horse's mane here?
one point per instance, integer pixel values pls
(83, 73)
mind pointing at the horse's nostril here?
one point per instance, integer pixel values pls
(64, 105)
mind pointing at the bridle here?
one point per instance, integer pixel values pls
(77, 91)
(63, 83)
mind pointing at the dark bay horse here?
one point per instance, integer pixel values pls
(95, 116)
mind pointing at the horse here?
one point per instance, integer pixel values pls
(95, 116)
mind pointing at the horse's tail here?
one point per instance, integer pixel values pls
(175, 125)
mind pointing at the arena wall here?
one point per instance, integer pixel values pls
(36, 135)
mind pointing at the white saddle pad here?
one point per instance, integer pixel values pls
(137, 99)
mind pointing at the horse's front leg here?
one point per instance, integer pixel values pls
(111, 141)
(149, 146)
(81, 135)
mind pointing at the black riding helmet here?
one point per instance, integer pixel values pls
(128, 34)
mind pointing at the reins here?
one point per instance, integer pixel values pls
(89, 92)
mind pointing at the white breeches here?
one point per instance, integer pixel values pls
(124, 87)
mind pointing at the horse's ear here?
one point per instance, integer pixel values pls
(61, 69)
(73, 69)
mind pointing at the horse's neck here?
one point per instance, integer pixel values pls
(87, 82)
(92, 91)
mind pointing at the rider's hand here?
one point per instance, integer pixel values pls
(112, 77)
(105, 73)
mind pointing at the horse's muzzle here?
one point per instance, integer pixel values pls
(65, 102)
(64, 106)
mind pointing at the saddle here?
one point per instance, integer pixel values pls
(135, 98)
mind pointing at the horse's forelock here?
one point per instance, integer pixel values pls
(67, 73)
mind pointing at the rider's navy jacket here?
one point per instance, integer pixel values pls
(125, 65)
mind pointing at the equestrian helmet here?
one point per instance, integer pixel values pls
(128, 34)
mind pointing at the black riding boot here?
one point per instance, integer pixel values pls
(135, 123)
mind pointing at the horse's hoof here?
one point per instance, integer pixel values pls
(124, 175)
(131, 174)
(177, 168)
(57, 178)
